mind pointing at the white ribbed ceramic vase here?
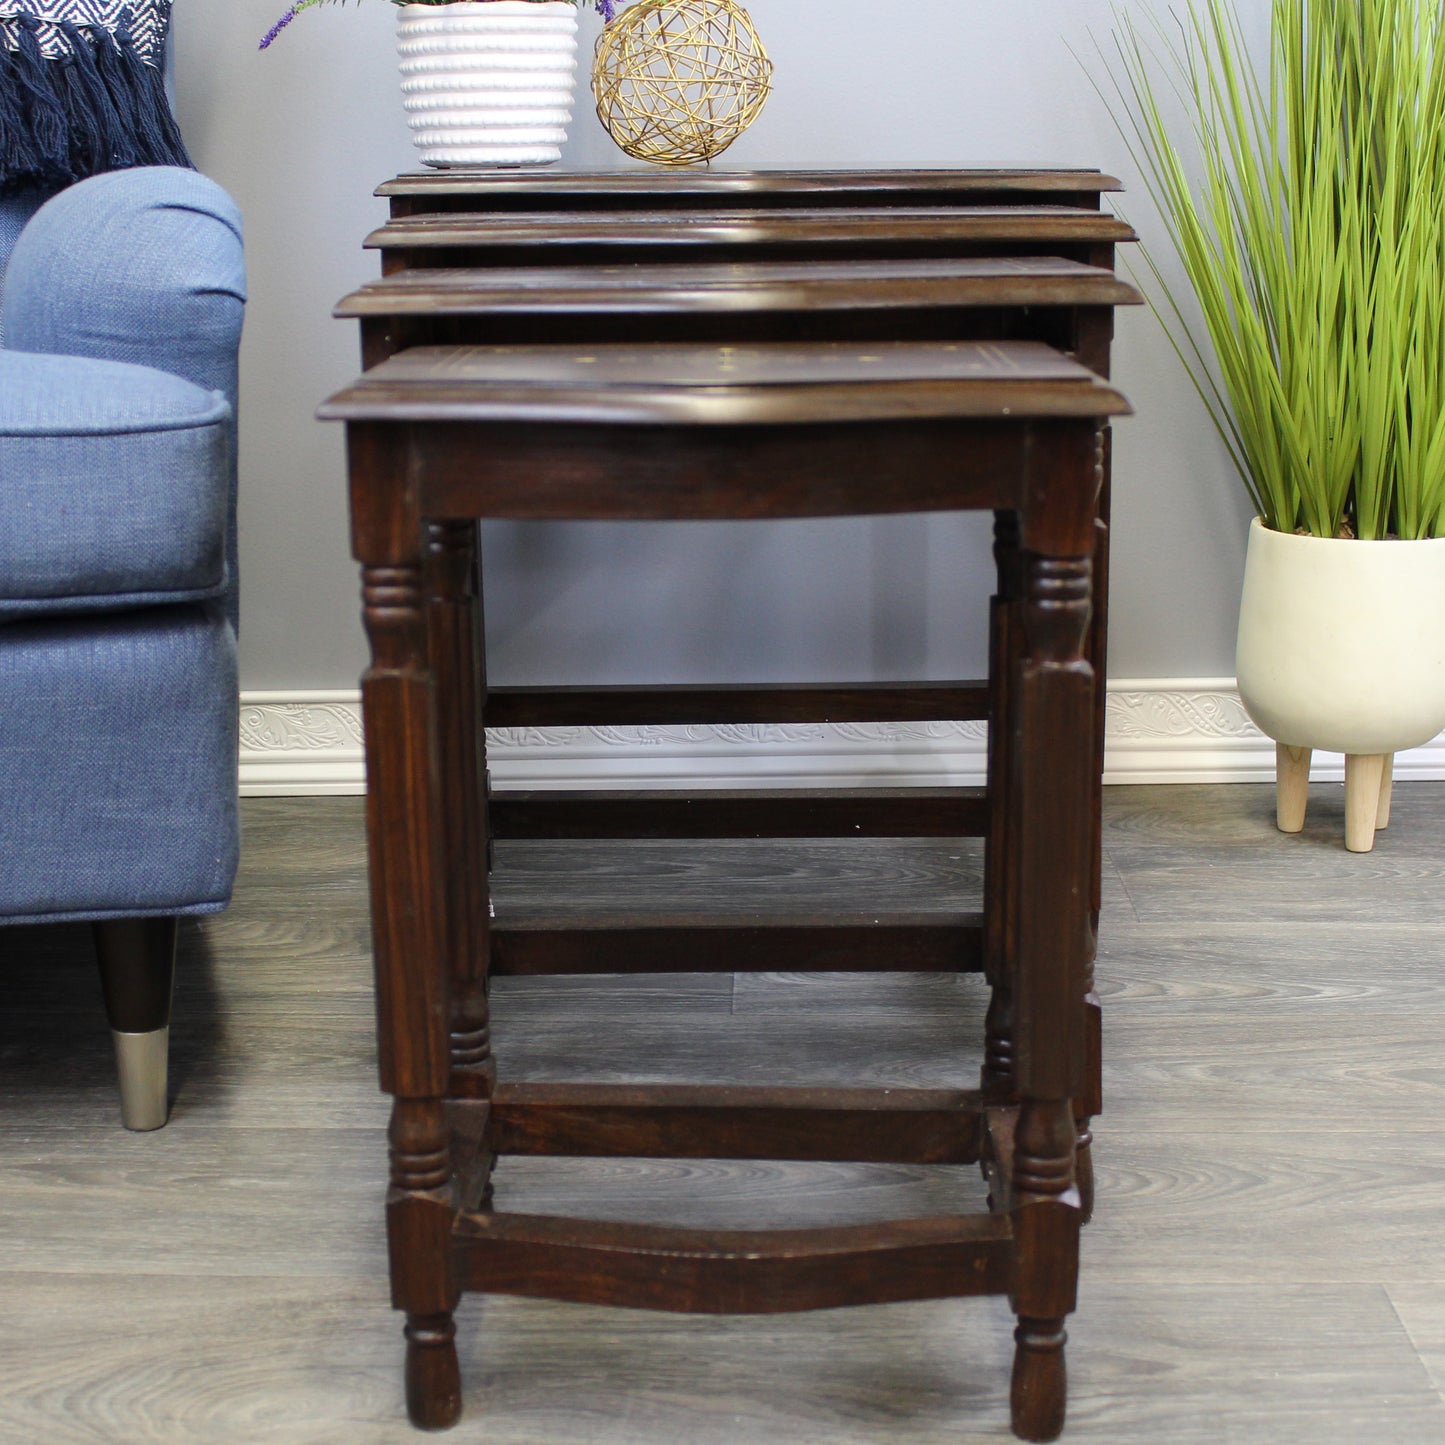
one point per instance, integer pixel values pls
(488, 82)
(1341, 643)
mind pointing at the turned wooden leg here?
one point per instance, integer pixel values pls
(1364, 784)
(1292, 786)
(1000, 869)
(419, 1220)
(137, 959)
(1387, 789)
(1096, 651)
(433, 1378)
(1084, 1167)
(1053, 700)
(406, 848)
(1046, 1223)
(455, 646)
(1090, 1102)
(454, 629)
(1039, 1389)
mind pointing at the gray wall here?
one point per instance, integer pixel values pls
(302, 133)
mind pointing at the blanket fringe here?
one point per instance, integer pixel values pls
(99, 107)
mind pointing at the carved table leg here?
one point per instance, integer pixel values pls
(1055, 821)
(419, 1216)
(1047, 1233)
(1000, 900)
(1055, 701)
(1088, 1102)
(404, 837)
(455, 644)
(1091, 1102)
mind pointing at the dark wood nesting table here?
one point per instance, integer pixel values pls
(723, 346)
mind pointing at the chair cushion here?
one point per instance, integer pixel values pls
(171, 294)
(118, 765)
(113, 485)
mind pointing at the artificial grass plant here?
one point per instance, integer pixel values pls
(1309, 215)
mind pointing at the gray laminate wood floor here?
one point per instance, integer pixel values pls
(1267, 1265)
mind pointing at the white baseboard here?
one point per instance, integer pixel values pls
(1162, 730)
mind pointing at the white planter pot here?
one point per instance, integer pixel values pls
(1341, 648)
(1342, 643)
(488, 82)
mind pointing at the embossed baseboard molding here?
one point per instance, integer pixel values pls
(1161, 730)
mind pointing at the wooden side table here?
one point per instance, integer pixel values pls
(439, 436)
(1011, 255)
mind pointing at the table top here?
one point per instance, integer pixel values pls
(684, 384)
(733, 288)
(838, 226)
(820, 187)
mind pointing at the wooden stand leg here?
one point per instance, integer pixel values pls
(406, 840)
(1292, 786)
(1364, 784)
(454, 627)
(1387, 789)
(1000, 867)
(1084, 1166)
(1038, 1392)
(1055, 699)
(433, 1378)
(1089, 1103)
(418, 1225)
(1097, 652)
(1046, 1224)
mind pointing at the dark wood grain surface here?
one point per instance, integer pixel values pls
(1263, 1267)
(583, 190)
(924, 231)
(778, 286)
(659, 705)
(681, 384)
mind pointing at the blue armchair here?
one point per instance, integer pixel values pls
(120, 319)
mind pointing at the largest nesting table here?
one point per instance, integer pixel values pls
(442, 434)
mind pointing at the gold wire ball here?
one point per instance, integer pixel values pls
(678, 81)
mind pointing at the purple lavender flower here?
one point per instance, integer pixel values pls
(607, 9)
(279, 26)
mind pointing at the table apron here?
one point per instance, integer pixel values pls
(623, 473)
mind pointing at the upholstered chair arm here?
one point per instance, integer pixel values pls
(141, 265)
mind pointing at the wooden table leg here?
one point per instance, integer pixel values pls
(453, 621)
(455, 642)
(1091, 1102)
(1000, 876)
(404, 836)
(1053, 700)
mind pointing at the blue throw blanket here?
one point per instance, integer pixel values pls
(82, 90)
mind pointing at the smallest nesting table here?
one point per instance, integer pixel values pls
(440, 436)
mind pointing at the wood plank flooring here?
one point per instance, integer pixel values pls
(1266, 1267)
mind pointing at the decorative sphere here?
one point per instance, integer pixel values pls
(678, 81)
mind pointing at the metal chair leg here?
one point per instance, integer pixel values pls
(137, 959)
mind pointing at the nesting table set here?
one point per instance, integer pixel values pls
(726, 345)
